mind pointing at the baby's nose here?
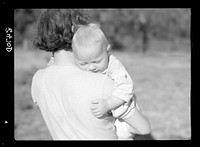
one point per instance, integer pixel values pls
(92, 68)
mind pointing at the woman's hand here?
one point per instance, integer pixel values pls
(99, 107)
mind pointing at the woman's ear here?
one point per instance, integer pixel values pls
(72, 28)
(76, 27)
(108, 47)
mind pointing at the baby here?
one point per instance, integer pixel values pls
(91, 52)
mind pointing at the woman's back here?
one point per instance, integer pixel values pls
(64, 95)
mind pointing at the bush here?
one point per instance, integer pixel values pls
(165, 24)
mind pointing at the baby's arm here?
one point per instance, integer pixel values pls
(139, 123)
(100, 107)
(122, 93)
(123, 84)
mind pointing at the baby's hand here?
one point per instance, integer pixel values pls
(99, 107)
(51, 61)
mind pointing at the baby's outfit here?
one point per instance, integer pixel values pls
(123, 89)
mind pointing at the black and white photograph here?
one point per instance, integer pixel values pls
(102, 74)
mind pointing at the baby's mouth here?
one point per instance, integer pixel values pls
(95, 71)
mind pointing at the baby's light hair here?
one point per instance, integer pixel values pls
(86, 36)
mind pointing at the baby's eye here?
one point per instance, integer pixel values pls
(82, 64)
(97, 61)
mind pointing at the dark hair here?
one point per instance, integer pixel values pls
(54, 30)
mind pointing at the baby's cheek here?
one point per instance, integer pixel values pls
(104, 66)
(81, 67)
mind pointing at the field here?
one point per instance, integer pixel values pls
(162, 85)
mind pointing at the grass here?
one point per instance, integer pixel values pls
(162, 85)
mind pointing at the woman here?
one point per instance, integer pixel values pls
(62, 91)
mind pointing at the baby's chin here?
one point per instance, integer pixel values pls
(96, 71)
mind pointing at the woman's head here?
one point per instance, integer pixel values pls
(54, 30)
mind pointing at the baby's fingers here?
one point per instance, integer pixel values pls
(96, 101)
(94, 111)
(93, 107)
(96, 114)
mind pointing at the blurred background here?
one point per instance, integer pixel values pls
(153, 44)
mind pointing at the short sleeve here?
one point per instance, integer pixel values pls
(35, 89)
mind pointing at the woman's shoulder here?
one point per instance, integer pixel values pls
(38, 74)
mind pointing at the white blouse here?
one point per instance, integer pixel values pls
(64, 95)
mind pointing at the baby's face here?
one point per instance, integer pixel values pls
(94, 60)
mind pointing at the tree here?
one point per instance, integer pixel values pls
(23, 20)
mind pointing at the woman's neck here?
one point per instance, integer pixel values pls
(63, 57)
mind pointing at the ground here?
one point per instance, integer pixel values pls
(162, 85)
